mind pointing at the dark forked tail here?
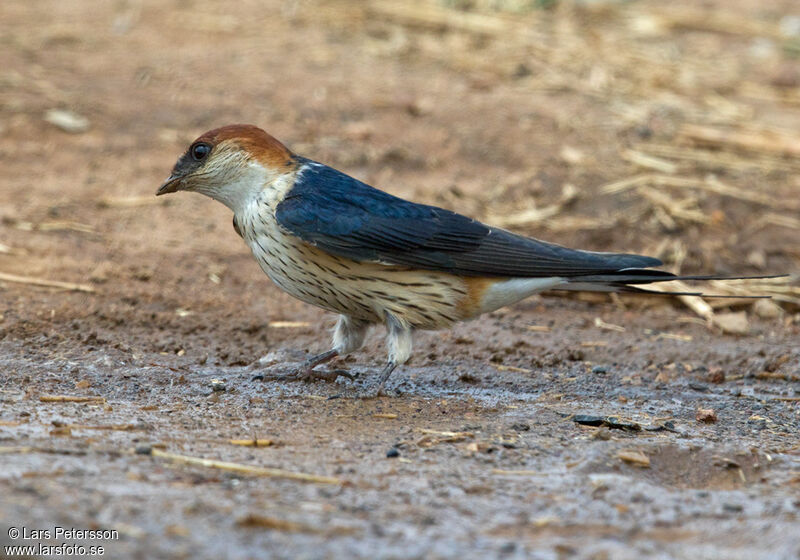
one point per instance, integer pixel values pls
(628, 280)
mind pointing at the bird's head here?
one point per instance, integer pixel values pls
(230, 164)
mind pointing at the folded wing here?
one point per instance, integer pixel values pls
(348, 218)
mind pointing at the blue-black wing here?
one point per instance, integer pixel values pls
(348, 218)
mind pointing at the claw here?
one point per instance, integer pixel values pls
(330, 376)
(347, 374)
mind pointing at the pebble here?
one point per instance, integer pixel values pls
(218, 385)
(732, 323)
(608, 421)
(68, 121)
(508, 548)
(707, 415)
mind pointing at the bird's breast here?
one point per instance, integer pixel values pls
(365, 290)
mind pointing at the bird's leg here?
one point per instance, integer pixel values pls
(400, 344)
(383, 376)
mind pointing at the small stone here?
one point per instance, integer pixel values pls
(607, 421)
(733, 508)
(716, 375)
(600, 369)
(144, 449)
(617, 423)
(393, 453)
(707, 415)
(757, 258)
(732, 323)
(218, 385)
(757, 422)
(68, 121)
(588, 419)
(698, 387)
(636, 458)
(521, 71)
(603, 434)
(767, 309)
(644, 132)
(508, 548)
(571, 155)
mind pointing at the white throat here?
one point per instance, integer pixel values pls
(242, 188)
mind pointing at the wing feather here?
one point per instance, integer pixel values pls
(348, 218)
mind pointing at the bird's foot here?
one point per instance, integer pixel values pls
(380, 390)
(330, 376)
(307, 375)
(306, 372)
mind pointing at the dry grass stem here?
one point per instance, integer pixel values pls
(538, 328)
(69, 286)
(678, 209)
(520, 472)
(599, 323)
(272, 523)
(536, 215)
(252, 442)
(244, 469)
(695, 303)
(289, 324)
(649, 162)
(755, 141)
(431, 16)
(635, 458)
(109, 427)
(71, 398)
(66, 226)
(435, 437)
(500, 367)
(715, 158)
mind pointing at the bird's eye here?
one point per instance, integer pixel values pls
(200, 151)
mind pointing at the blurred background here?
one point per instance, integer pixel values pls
(665, 128)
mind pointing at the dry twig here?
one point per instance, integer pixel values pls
(756, 141)
(4, 276)
(255, 442)
(244, 469)
(71, 398)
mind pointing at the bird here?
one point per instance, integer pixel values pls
(340, 244)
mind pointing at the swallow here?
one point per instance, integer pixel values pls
(337, 243)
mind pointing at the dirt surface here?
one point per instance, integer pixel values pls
(526, 114)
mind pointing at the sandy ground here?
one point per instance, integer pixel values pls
(515, 115)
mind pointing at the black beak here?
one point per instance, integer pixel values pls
(171, 185)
